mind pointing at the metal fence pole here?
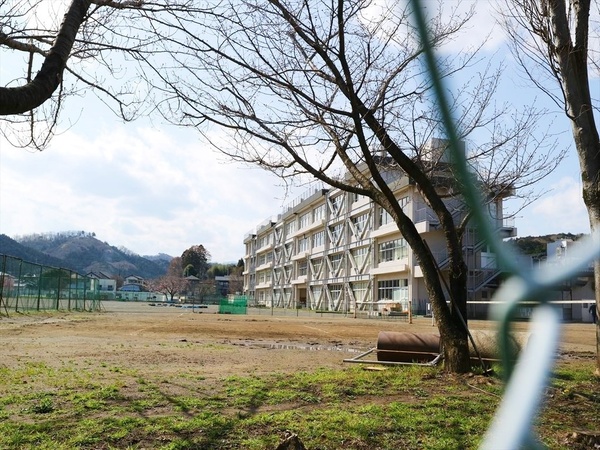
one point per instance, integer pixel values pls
(3, 282)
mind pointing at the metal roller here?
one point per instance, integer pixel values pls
(424, 347)
(407, 347)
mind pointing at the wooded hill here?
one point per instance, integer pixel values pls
(536, 245)
(82, 252)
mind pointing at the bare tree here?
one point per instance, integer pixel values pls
(556, 42)
(100, 46)
(169, 285)
(236, 278)
(16, 100)
(175, 268)
(336, 91)
(327, 90)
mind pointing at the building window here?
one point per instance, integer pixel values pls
(336, 203)
(287, 294)
(303, 245)
(319, 213)
(305, 220)
(318, 239)
(302, 268)
(264, 240)
(384, 217)
(262, 277)
(265, 258)
(393, 250)
(290, 228)
(288, 249)
(316, 292)
(396, 290)
(316, 266)
(336, 232)
(336, 261)
(360, 222)
(278, 235)
(359, 290)
(335, 290)
(359, 255)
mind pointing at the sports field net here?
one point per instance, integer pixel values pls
(27, 286)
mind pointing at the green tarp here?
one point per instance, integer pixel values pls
(237, 305)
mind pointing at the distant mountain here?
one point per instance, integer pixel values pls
(11, 247)
(83, 253)
(161, 257)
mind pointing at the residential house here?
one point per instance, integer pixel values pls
(104, 284)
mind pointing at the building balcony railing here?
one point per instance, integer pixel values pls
(300, 255)
(300, 280)
(390, 266)
(267, 265)
(265, 247)
(384, 230)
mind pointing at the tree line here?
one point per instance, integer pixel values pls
(192, 275)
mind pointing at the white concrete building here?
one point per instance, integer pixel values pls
(337, 251)
(574, 296)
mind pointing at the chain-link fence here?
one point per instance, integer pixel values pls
(26, 286)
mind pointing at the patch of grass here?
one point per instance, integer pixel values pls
(44, 405)
(351, 408)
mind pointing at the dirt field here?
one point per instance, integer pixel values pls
(165, 340)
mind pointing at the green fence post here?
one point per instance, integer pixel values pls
(39, 287)
(2, 283)
(58, 289)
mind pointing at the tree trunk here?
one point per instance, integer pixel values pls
(451, 321)
(456, 349)
(588, 149)
(571, 55)
(28, 97)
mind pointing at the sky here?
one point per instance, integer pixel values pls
(154, 188)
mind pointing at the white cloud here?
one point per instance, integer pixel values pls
(481, 28)
(148, 190)
(561, 210)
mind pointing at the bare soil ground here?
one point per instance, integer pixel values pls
(166, 340)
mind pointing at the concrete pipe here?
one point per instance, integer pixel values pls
(424, 347)
(487, 344)
(407, 347)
